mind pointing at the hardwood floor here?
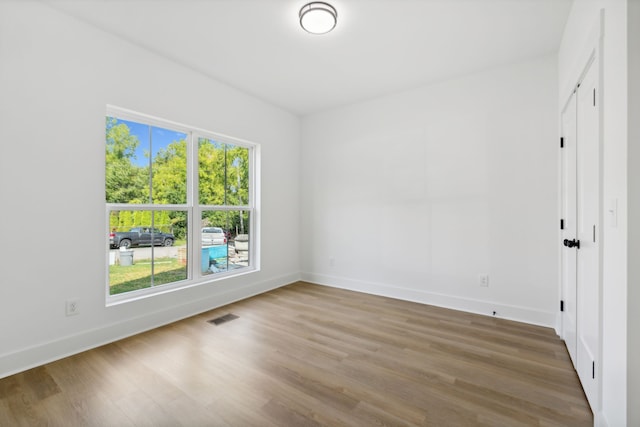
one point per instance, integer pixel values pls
(307, 355)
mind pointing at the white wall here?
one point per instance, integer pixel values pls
(583, 18)
(416, 194)
(56, 77)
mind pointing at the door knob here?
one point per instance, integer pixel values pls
(571, 243)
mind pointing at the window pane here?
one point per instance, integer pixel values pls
(223, 173)
(211, 172)
(126, 173)
(148, 248)
(224, 241)
(169, 166)
(237, 175)
(145, 164)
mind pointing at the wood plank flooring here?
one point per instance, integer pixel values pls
(307, 355)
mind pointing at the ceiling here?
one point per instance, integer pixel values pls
(378, 47)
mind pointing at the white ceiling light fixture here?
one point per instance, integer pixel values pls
(318, 17)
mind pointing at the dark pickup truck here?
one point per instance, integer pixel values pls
(140, 236)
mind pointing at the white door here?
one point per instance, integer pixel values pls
(569, 227)
(580, 259)
(588, 221)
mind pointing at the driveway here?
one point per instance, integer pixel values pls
(158, 252)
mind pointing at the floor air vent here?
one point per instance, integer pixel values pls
(222, 319)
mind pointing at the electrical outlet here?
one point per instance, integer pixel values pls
(73, 307)
(484, 280)
(332, 262)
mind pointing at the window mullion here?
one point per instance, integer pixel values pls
(194, 212)
(227, 207)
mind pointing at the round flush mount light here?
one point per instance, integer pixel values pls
(318, 17)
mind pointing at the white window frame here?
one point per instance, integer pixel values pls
(194, 210)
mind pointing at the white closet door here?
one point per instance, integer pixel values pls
(588, 220)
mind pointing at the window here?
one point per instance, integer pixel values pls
(181, 205)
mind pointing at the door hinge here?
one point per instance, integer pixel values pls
(594, 96)
(561, 305)
(561, 142)
(593, 370)
(562, 224)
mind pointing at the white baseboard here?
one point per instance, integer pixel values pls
(558, 325)
(600, 420)
(503, 311)
(27, 358)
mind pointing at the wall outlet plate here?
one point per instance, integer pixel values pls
(73, 307)
(483, 279)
